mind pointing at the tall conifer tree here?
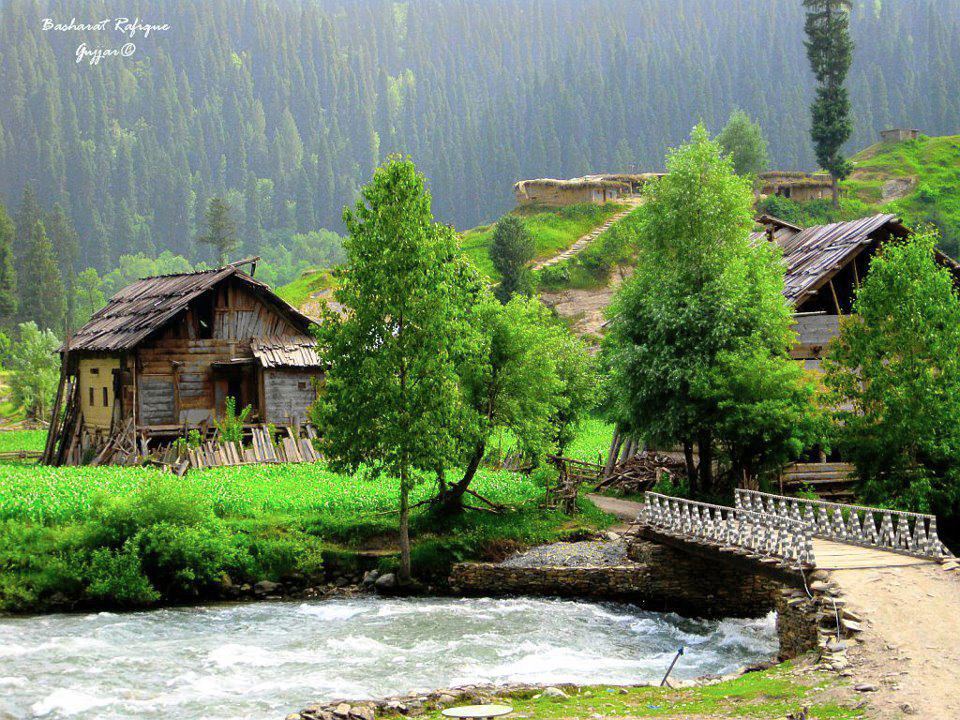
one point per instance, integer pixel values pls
(830, 51)
(43, 298)
(8, 275)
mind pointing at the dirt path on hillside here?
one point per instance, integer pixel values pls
(911, 639)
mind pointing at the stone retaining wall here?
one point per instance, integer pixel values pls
(663, 579)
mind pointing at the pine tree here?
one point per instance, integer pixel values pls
(830, 51)
(221, 231)
(65, 242)
(45, 302)
(511, 251)
(8, 275)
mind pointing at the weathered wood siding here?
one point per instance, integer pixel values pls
(288, 394)
(814, 332)
(177, 382)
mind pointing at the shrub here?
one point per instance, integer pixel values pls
(230, 426)
(116, 576)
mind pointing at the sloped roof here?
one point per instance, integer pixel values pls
(815, 254)
(145, 306)
(275, 352)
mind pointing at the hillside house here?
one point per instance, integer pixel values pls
(798, 186)
(824, 266)
(165, 353)
(597, 189)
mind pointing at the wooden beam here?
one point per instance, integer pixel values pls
(836, 302)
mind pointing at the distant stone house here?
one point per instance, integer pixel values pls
(597, 189)
(165, 353)
(894, 135)
(798, 186)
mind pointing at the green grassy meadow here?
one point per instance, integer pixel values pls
(767, 695)
(131, 537)
(29, 440)
(553, 230)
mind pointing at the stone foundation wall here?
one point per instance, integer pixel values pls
(663, 579)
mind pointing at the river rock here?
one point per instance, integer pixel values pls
(865, 688)
(554, 692)
(386, 582)
(266, 587)
(370, 577)
(362, 713)
(342, 710)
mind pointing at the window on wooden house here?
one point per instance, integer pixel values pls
(91, 395)
(106, 401)
(203, 311)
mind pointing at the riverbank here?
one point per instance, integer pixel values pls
(778, 692)
(122, 538)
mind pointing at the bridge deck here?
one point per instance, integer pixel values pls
(840, 556)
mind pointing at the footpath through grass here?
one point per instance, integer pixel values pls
(553, 230)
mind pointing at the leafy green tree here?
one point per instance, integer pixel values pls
(8, 275)
(46, 302)
(221, 230)
(830, 51)
(391, 389)
(699, 321)
(576, 370)
(511, 251)
(513, 383)
(742, 139)
(894, 374)
(35, 370)
(88, 296)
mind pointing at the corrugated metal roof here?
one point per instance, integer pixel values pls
(145, 306)
(290, 351)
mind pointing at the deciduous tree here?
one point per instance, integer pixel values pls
(894, 374)
(391, 390)
(701, 320)
(742, 139)
(35, 367)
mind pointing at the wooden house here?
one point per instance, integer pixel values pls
(165, 353)
(824, 267)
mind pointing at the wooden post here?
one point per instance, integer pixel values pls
(836, 302)
(53, 430)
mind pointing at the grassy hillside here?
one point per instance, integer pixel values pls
(925, 171)
(553, 230)
(299, 292)
(919, 180)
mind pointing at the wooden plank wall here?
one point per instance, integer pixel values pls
(288, 394)
(176, 380)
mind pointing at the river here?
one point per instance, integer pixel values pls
(264, 660)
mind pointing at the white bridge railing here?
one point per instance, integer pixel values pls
(903, 532)
(770, 535)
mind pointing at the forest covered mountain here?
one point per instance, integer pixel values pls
(285, 106)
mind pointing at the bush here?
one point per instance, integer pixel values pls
(117, 577)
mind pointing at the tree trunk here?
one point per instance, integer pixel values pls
(404, 574)
(705, 448)
(835, 191)
(451, 500)
(691, 466)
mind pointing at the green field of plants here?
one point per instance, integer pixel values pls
(29, 440)
(103, 537)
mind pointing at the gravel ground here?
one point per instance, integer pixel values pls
(589, 553)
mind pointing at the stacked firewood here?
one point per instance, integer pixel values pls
(641, 472)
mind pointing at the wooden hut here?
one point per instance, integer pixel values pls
(824, 266)
(165, 353)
